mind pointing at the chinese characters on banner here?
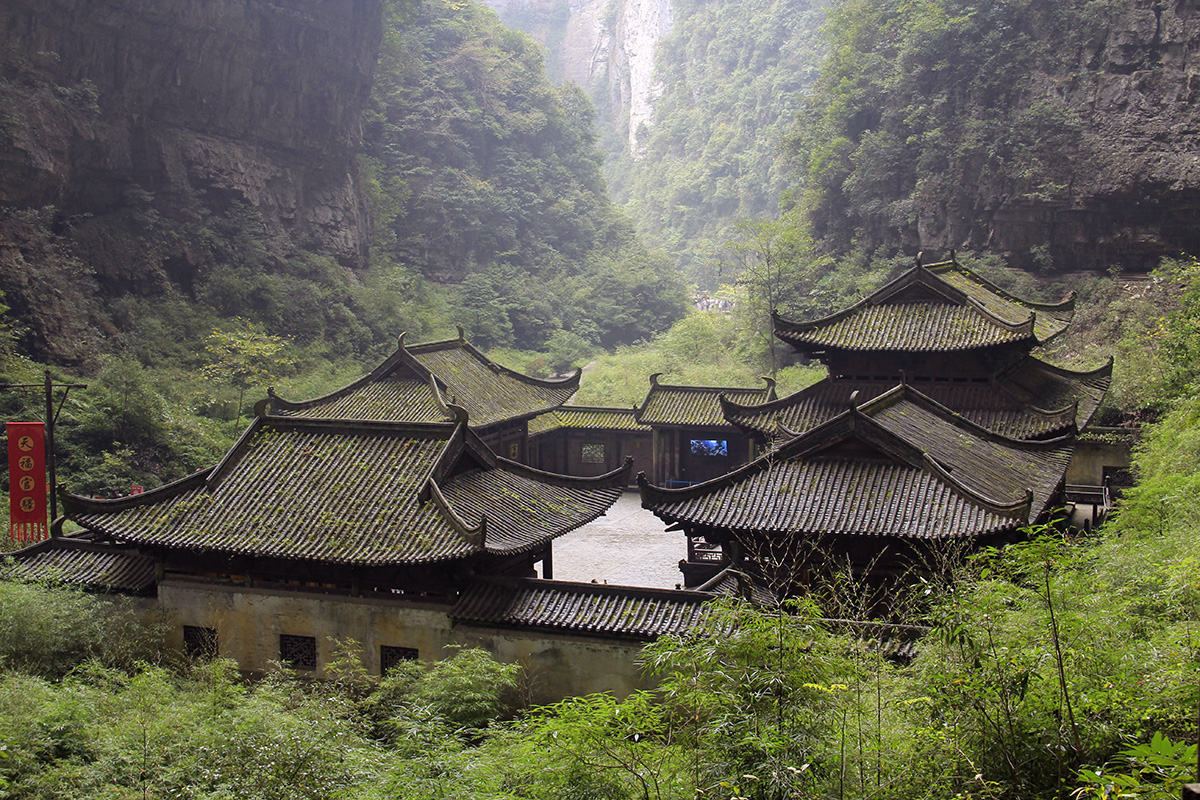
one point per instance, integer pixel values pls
(27, 482)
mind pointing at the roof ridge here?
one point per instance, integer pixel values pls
(654, 384)
(1010, 508)
(399, 357)
(960, 420)
(74, 502)
(462, 344)
(592, 588)
(1067, 304)
(607, 480)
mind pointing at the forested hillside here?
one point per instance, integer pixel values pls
(732, 76)
(487, 177)
(1058, 134)
(135, 220)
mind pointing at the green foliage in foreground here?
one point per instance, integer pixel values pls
(1051, 667)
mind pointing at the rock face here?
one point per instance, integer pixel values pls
(190, 108)
(1140, 107)
(607, 47)
(242, 99)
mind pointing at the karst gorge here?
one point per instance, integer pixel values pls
(362, 304)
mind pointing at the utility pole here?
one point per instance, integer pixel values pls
(48, 386)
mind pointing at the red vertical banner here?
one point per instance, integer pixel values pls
(27, 482)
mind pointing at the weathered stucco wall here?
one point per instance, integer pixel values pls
(249, 622)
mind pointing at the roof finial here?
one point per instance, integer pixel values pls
(952, 256)
(460, 413)
(920, 255)
(903, 378)
(462, 335)
(654, 378)
(400, 339)
(854, 400)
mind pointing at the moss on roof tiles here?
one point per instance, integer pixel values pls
(696, 405)
(580, 608)
(586, 418)
(1031, 400)
(384, 399)
(82, 563)
(931, 476)
(488, 392)
(350, 494)
(939, 308)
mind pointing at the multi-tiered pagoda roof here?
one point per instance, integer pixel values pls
(418, 383)
(936, 308)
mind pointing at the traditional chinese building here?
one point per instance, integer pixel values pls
(879, 487)
(931, 392)
(585, 440)
(955, 337)
(379, 513)
(692, 440)
(419, 382)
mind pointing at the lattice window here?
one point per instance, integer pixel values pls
(592, 453)
(199, 642)
(298, 652)
(391, 656)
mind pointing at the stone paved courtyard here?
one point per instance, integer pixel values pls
(626, 546)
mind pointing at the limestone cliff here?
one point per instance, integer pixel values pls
(1135, 176)
(1061, 134)
(607, 47)
(180, 108)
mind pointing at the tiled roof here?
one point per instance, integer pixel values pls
(84, 563)
(695, 405)
(898, 466)
(897, 642)
(490, 393)
(731, 582)
(586, 418)
(356, 493)
(941, 307)
(581, 608)
(1048, 387)
(385, 399)
(1050, 319)
(1031, 400)
(418, 382)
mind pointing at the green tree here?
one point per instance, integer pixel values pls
(775, 267)
(245, 357)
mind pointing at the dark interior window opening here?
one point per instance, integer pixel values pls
(199, 642)
(391, 656)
